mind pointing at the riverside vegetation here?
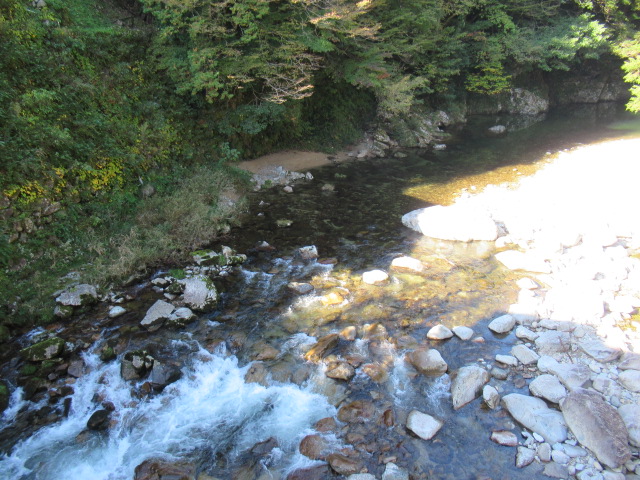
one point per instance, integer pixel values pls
(120, 122)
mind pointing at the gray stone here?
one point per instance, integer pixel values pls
(552, 342)
(630, 379)
(427, 361)
(394, 472)
(467, 385)
(560, 457)
(630, 415)
(524, 457)
(507, 360)
(163, 375)
(502, 324)
(463, 333)
(340, 371)
(544, 452)
(630, 361)
(423, 425)
(156, 315)
(499, 373)
(309, 252)
(497, 129)
(524, 354)
(573, 451)
(505, 438)
(548, 387)
(534, 414)
(490, 396)
(597, 425)
(524, 333)
(79, 295)
(598, 350)
(408, 264)
(116, 311)
(570, 374)
(200, 293)
(555, 470)
(454, 222)
(181, 317)
(439, 332)
(361, 476)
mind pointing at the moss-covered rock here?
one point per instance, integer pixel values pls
(45, 350)
(107, 354)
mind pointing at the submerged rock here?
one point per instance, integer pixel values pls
(394, 472)
(505, 438)
(358, 411)
(157, 469)
(408, 264)
(343, 465)
(321, 347)
(375, 277)
(598, 426)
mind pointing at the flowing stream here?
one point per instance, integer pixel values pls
(244, 380)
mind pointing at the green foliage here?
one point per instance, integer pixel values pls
(630, 50)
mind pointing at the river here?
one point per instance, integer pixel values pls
(244, 379)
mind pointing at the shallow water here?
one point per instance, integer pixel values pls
(212, 416)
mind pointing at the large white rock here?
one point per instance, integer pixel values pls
(199, 293)
(551, 342)
(423, 425)
(600, 351)
(534, 414)
(427, 361)
(598, 426)
(630, 415)
(467, 384)
(502, 324)
(548, 387)
(457, 222)
(79, 295)
(524, 354)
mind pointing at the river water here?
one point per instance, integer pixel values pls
(226, 401)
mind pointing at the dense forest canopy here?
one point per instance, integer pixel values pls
(97, 98)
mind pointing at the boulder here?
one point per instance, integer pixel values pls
(408, 264)
(45, 350)
(630, 415)
(630, 361)
(534, 414)
(456, 222)
(439, 332)
(548, 387)
(598, 426)
(115, 312)
(502, 324)
(314, 447)
(463, 333)
(99, 420)
(572, 375)
(163, 375)
(599, 351)
(523, 333)
(340, 371)
(423, 425)
(344, 465)
(78, 296)
(180, 317)
(309, 252)
(467, 384)
(524, 354)
(200, 293)
(551, 342)
(525, 456)
(427, 361)
(156, 315)
(318, 472)
(630, 379)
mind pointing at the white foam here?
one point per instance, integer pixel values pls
(210, 409)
